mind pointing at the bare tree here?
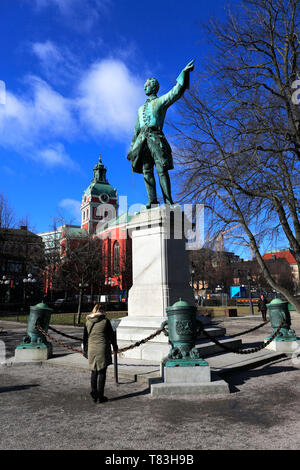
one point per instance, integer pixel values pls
(79, 267)
(204, 274)
(7, 215)
(25, 222)
(238, 138)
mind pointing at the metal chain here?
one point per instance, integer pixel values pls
(138, 343)
(58, 342)
(145, 340)
(232, 336)
(64, 334)
(244, 351)
(252, 329)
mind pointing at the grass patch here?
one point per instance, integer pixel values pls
(63, 318)
(220, 311)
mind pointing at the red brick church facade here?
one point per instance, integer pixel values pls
(100, 218)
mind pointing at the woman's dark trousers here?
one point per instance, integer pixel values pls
(264, 315)
(98, 378)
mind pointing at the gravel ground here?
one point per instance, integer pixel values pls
(45, 408)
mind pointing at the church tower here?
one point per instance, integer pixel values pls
(99, 201)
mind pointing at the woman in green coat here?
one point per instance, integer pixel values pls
(99, 336)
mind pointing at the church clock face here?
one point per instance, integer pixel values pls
(104, 198)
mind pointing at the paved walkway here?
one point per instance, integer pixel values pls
(142, 371)
(46, 407)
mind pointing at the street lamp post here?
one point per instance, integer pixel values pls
(250, 298)
(108, 283)
(82, 286)
(192, 278)
(5, 282)
(29, 280)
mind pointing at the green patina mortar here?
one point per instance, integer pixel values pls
(34, 339)
(182, 332)
(278, 311)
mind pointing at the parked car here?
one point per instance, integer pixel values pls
(61, 301)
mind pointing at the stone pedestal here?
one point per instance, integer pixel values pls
(186, 374)
(27, 353)
(160, 278)
(188, 381)
(160, 263)
(284, 346)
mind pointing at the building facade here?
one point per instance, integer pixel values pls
(287, 255)
(21, 265)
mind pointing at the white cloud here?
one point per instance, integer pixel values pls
(72, 207)
(36, 120)
(47, 51)
(109, 98)
(57, 64)
(54, 155)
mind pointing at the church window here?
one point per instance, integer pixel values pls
(116, 252)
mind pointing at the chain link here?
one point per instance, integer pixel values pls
(138, 343)
(158, 332)
(243, 351)
(64, 334)
(251, 329)
(58, 342)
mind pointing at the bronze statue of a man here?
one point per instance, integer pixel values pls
(149, 146)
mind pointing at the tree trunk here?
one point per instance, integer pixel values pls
(79, 308)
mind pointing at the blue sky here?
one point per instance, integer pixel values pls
(74, 72)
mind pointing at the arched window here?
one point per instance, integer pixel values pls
(116, 258)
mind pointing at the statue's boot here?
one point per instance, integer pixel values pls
(165, 184)
(151, 188)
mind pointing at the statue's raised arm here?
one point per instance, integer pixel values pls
(190, 66)
(149, 146)
(182, 84)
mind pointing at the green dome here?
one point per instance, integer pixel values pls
(277, 302)
(97, 189)
(181, 305)
(42, 306)
(100, 185)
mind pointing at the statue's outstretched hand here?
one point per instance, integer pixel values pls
(190, 66)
